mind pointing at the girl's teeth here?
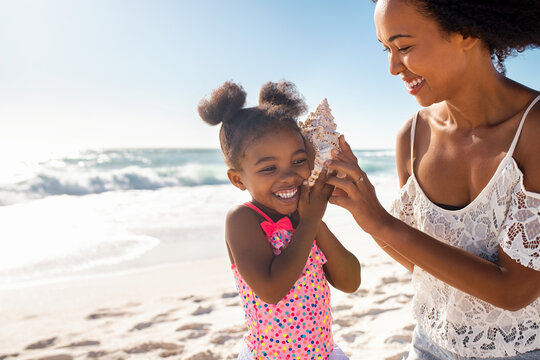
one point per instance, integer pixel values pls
(287, 194)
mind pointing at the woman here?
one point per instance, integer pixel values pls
(467, 222)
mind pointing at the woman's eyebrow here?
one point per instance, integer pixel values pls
(394, 37)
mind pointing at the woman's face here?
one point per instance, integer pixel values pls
(430, 63)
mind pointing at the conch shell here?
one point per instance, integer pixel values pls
(320, 129)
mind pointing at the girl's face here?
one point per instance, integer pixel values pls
(273, 170)
(430, 63)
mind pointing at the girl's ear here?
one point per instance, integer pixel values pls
(236, 179)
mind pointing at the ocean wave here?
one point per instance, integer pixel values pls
(77, 182)
(98, 171)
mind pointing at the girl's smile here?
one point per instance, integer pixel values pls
(273, 169)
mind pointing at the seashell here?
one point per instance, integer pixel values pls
(320, 129)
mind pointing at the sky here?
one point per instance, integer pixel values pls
(130, 73)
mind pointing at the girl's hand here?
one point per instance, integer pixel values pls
(313, 201)
(355, 192)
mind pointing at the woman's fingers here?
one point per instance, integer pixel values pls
(342, 167)
(341, 201)
(346, 153)
(342, 184)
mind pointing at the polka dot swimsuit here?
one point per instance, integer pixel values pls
(299, 325)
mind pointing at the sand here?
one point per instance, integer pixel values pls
(190, 310)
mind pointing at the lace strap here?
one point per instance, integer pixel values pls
(248, 204)
(518, 132)
(413, 129)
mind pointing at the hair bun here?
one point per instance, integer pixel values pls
(223, 104)
(284, 95)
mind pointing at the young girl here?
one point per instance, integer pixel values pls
(281, 253)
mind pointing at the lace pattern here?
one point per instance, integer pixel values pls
(503, 214)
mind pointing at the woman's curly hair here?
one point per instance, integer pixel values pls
(280, 104)
(505, 26)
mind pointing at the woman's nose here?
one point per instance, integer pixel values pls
(395, 64)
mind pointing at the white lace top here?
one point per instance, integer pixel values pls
(504, 214)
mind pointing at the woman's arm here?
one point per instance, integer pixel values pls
(505, 284)
(269, 276)
(342, 268)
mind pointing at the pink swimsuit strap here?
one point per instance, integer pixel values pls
(248, 204)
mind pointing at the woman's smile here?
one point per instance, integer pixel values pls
(414, 86)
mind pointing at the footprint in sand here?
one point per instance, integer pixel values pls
(409, 327)
(233, 333)
(359, 292)
(389, 280)
(3, 357)
(351, 337)
(96, 354)
(42, 344)
(201, 310)
(241, 328)
(221, 339)
(400, 298)
(199, 300)
(57, 357)
(160, 318)
(82, 343)
(373, 312)
(399, 338)
(142, 326)
(400, 356)
(344, 322)
(207, 355)
(197, 330)
(229, 295)
(151, 346)
(105, 314)
(341, 308)
(195, 326)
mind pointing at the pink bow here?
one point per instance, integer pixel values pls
(270, 227)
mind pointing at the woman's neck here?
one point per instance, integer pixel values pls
(485, 98)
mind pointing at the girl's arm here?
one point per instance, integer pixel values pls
(269, 276)
(342, 268)
(505, 284)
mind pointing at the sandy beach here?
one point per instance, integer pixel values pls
(190, 310)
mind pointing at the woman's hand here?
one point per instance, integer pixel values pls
(355, 192)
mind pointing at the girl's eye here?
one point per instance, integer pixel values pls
(300, 162)
(267, 169)
(385, 49)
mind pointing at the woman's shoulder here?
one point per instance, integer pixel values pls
(527, 152)
(404, 139)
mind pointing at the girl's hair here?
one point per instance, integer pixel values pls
(279, 106)
(505, 26)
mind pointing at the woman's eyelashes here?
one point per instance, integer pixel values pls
(400, 49)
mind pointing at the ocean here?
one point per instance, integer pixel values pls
(99, 211)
